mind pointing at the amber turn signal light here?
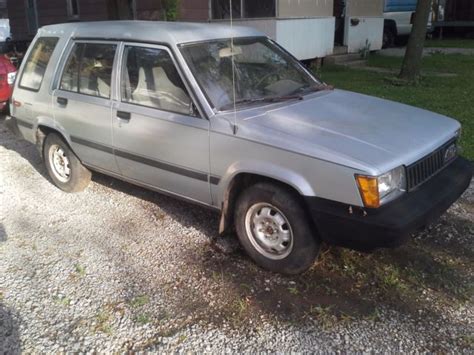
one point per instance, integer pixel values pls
(369, 190)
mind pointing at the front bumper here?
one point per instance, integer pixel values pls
(391, 225)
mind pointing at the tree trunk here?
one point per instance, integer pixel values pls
(412, 63)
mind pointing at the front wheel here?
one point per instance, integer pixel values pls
(63, 166)
(274, 229)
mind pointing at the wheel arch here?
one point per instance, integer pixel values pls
(46, 127)
(391, 25)
(240, 180)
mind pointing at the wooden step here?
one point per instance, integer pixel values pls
(339, 50)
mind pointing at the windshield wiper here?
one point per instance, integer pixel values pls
(262, 99)
(316, 88)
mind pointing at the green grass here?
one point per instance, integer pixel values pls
(139, 301)
(239, 309)
(80, 270)
(63, 300)
(103, 322)
(324, 314)
(143, 319)
(451, 95)
(293, 290)
(450, 43)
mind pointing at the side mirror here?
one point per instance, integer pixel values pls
(193, 111)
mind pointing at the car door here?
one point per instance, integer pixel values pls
(159, 138)
(82, 102)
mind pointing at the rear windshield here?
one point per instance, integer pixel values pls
(37, 63)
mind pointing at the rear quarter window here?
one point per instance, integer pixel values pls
(37, 62)
(89, 68)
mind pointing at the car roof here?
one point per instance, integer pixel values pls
(149, 31)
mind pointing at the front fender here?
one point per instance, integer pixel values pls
(264, 169)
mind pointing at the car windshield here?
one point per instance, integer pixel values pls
(263, 72)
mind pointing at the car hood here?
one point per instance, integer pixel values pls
(372, 134)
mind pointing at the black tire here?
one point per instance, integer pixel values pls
(78, 177)
(306, 244)
(388, 38)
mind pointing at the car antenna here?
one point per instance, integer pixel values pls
(234, 126)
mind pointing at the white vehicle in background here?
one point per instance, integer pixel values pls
(398, 22)
(5, 34)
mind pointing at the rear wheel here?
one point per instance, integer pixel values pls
(64, 168)
(274, 229)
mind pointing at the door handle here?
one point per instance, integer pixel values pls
(125, 116)
(62, 101)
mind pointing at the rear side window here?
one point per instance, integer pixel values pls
(37, 63)
(88, 70)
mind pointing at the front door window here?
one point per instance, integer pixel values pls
(150, 78)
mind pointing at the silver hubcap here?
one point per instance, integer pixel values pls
(59, 163)
(269, 231)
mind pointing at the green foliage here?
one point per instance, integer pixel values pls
(80, 270)
(324, 314)
(170, 10)
(389, 278)
(143, 318)
(293, 290)
(139, 301)
(239, 309)
(365, 51)
(103, 322)
(450, 43)
(62, 300)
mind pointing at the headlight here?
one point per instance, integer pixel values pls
(11, 78)
(377, 190)
(458, 133)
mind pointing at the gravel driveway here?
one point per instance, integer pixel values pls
(119, 268)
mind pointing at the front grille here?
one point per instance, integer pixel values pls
(426, 167)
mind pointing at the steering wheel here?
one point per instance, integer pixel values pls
(275, 73)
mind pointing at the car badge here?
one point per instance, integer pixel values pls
(450, 153)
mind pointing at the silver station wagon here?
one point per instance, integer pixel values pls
(226, 118)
